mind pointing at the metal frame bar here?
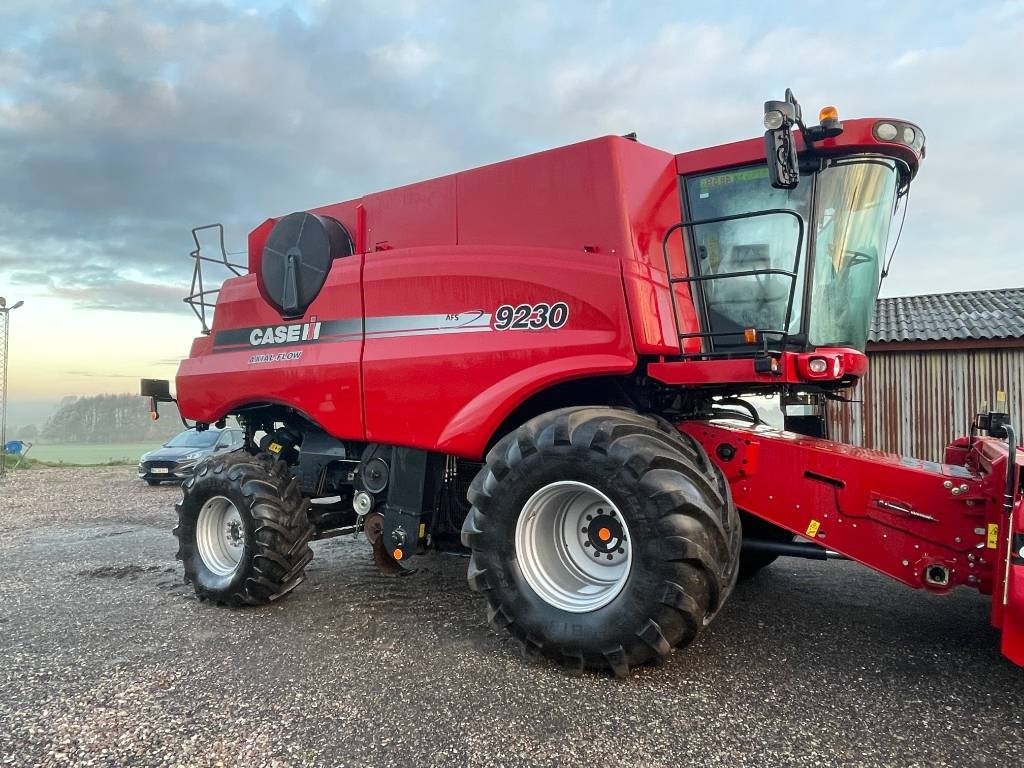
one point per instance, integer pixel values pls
(200, 298)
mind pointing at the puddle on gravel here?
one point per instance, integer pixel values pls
(107, 535)
(122, 571)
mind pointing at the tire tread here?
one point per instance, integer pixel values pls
(281, 530)
(701, 529)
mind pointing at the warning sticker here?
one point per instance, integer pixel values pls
(812, 529)
(992, 541)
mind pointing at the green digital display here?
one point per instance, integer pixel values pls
(725, 178)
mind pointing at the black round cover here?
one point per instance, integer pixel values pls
(297, 257)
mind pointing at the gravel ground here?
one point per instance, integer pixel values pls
(106, 658)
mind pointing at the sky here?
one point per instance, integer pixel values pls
(124, 124)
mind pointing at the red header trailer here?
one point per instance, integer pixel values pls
(575, 331)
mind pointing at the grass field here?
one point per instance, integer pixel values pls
(90, 454)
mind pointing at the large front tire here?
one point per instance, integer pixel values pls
(629, 491)
(243, 534)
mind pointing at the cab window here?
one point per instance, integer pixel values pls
(754, 298)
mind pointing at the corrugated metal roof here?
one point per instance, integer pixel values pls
(966, 315)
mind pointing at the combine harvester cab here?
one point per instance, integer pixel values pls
(929, 525)
(546, 360)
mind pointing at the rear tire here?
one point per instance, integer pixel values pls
(675, 555)
(243, 534)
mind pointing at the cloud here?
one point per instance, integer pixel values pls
(123, 124)
(121, 294)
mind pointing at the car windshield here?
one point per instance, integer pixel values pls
(192, 439)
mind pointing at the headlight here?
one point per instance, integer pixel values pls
(886, 131)
(773, 120)
(900, 133)
(191, 456)
(818, 365)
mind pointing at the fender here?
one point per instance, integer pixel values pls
(469, 432)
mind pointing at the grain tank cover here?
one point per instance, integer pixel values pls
(297, 258)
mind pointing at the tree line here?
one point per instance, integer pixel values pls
(109, 419)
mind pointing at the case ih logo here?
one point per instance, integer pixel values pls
(285, 334)
(314, 331)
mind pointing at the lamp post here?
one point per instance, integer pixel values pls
(5, 321)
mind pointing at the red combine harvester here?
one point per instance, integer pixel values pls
(566, 338)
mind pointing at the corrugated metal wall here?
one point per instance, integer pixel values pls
(914, 403)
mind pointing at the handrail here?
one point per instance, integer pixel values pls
(198, 297)
(793, 274)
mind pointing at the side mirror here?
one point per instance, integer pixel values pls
(158, 388)
(779, 144)
(158, 391)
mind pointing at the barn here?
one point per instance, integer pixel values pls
(935, 360)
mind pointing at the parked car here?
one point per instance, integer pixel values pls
(177, 458)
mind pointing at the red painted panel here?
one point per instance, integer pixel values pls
(414, 215)
(448, 388)
(324, 383)
(891, 513)
(650, 198)
(564, 198)
(1011, 613)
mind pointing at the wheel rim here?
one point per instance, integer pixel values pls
(220, 537)
(573, 546)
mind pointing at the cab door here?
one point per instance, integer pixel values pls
(750, 253)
